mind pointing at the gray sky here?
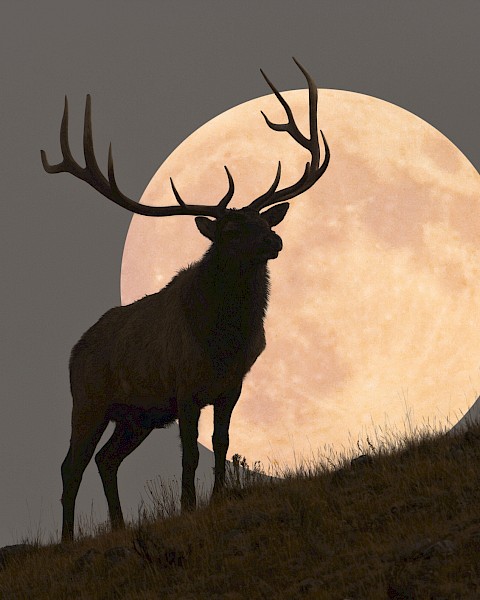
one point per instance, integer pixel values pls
(157, 71)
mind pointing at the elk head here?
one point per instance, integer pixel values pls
(245, 235)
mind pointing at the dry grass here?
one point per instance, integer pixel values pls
(402, 523)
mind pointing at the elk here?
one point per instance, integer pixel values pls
(169, 354)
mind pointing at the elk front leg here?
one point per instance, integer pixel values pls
(188, 415)
(222, 412)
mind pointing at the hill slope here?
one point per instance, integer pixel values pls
(401, 522)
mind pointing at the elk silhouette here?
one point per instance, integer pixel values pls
(169, 354)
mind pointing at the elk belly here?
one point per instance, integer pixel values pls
(140, 417)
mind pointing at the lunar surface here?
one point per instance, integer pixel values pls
(374, 305)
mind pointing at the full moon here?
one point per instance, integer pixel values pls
(374, 305)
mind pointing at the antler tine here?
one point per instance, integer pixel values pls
(67, 155)
(176, 194)
(92, 169)
(271, 189)
(312, 143)
(93, 175)
(231, 189)
(313, 171)
(221, 206)
(64, 145)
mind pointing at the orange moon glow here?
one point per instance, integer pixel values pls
(375, 297)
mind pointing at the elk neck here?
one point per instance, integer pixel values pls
(227, 305)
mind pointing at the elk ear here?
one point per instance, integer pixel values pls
(206, 227)
(275, 215)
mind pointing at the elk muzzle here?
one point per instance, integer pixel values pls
(272, 244)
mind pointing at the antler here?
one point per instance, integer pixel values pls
(313, 169)
(108, 187)
(92, 174)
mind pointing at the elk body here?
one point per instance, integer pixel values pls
(168, 355)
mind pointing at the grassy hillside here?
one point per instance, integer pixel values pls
(401, 522)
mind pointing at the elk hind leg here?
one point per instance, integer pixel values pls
(188, 415)
(126, 437)
(82, 447)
